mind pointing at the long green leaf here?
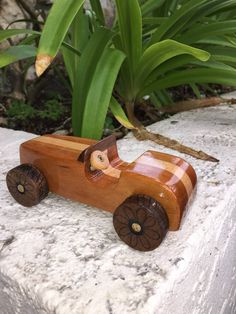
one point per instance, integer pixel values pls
(204, 75)
(16, 53)
(207, 31)
(119, 114)
(156, 101)
(84, 75)
(130, 26)
(223, 41)
(97, 8)
(79, 36)
(7, 33)
(187, 16)
(150, 5)
(156, 21)
(223, 54)
(68, 57)
(100, 92)
(196, 90)
(162, 97)
(160, 52)
(177, 65)
(202, 14)
(57, 24)
(80, 31)
(184, 14)
(217, 7)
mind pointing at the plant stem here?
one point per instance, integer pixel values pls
(129, 106)
(143, 134)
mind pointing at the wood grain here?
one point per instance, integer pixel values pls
(65, 162)
(178, 173)
(61, 143)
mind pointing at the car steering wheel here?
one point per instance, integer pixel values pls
(99, 160)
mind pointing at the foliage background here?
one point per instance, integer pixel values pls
(163, 21)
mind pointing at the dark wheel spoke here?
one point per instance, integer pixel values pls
(141, 214)
(124, 231)
(121, 219)
(145, 243)
(149, 222)
(134, 241)
(152, 234)
(29, 187)
(128, 212)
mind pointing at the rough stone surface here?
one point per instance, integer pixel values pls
(10, 11)
(64, 257)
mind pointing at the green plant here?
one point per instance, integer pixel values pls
(20, 115)
(23, 112)
(20, 111)
(152, 46)
(204, 24)
(104, 54)
(52, 110)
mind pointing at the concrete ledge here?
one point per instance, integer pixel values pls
(64, 257)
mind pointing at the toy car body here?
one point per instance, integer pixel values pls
(147, 196)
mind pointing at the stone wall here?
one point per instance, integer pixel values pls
(65, 257)
(11, 10)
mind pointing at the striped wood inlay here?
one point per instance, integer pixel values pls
(177, 171)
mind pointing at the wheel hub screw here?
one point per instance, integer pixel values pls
(136, 227)
(20, 188)
(100, 158)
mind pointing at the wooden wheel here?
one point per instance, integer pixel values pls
(27, 185)
(141, 222)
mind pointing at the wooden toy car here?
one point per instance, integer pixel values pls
(147, 196)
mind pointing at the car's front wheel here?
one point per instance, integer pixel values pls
(27, 184)
(141, 222)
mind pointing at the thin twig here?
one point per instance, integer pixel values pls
(197, 103)
(143, 134)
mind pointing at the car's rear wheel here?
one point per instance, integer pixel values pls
(27, 185)
(141, 222)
